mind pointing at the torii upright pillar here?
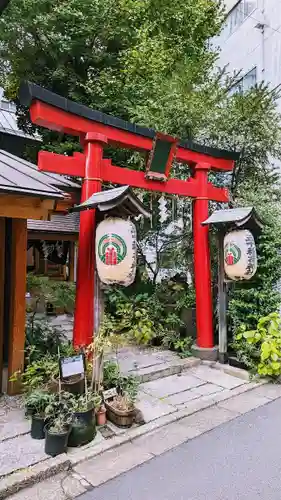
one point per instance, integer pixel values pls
(204, 347)
(85, 284)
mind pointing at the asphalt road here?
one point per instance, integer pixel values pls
(238, 460)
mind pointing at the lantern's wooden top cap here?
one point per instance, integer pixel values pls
(243, 217)
(118, 201)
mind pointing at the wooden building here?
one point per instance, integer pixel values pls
(51, 247)
(25, 193)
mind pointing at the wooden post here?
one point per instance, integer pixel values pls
(71, 261)
(222, 295)
(2, 283)
(17, 309)
(98, 319)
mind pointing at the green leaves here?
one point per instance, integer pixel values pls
(265, 357)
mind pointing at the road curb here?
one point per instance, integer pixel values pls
(11, 484)
(21, 479)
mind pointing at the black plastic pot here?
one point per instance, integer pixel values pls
(84, 430)
(37, 427)
(81, 433)
(86, 417)
(55, 444)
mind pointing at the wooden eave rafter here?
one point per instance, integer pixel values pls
(26, 207)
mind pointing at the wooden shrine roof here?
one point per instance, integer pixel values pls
(18, 176)
(241, 217)
(118, 201)
(63, 224)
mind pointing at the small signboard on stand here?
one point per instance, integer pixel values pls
(109, 394)
(71, 366)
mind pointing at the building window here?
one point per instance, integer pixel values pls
(7, 106)
(245, 83)
(238, 14)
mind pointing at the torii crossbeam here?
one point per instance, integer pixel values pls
(97, 129)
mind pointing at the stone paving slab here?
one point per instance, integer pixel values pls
(165, 438)
(244, 402)
(209, 418)
(171, 385)
(216, 377)
(270, 391)
(207, 389)
(152, 407)
(181, 398)
(19, 453)
(134, 358)
(112, 463)
(12, 421)
(60, 487)
(13, 428)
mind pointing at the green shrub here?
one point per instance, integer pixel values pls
(261, 347)
(41, 337)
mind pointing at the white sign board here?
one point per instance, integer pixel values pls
(71, 366)
(110, 393)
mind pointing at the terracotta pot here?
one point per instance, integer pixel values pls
(118, 417)
(101, 416)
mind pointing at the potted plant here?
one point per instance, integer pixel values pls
(100, 410)
(59, 413)
(83, 407)
(56, 435)
(121, 409)
(83, 427)
(36, 403)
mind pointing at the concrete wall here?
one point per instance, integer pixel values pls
(248, 46)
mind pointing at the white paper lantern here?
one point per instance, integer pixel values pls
(116, 251)
(240, 255)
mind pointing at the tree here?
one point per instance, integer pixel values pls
(110, 54)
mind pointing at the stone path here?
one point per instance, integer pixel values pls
(188, 389)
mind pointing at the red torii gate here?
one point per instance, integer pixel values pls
(95, 130)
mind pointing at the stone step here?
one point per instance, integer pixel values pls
(163, 370)
(150, 363)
